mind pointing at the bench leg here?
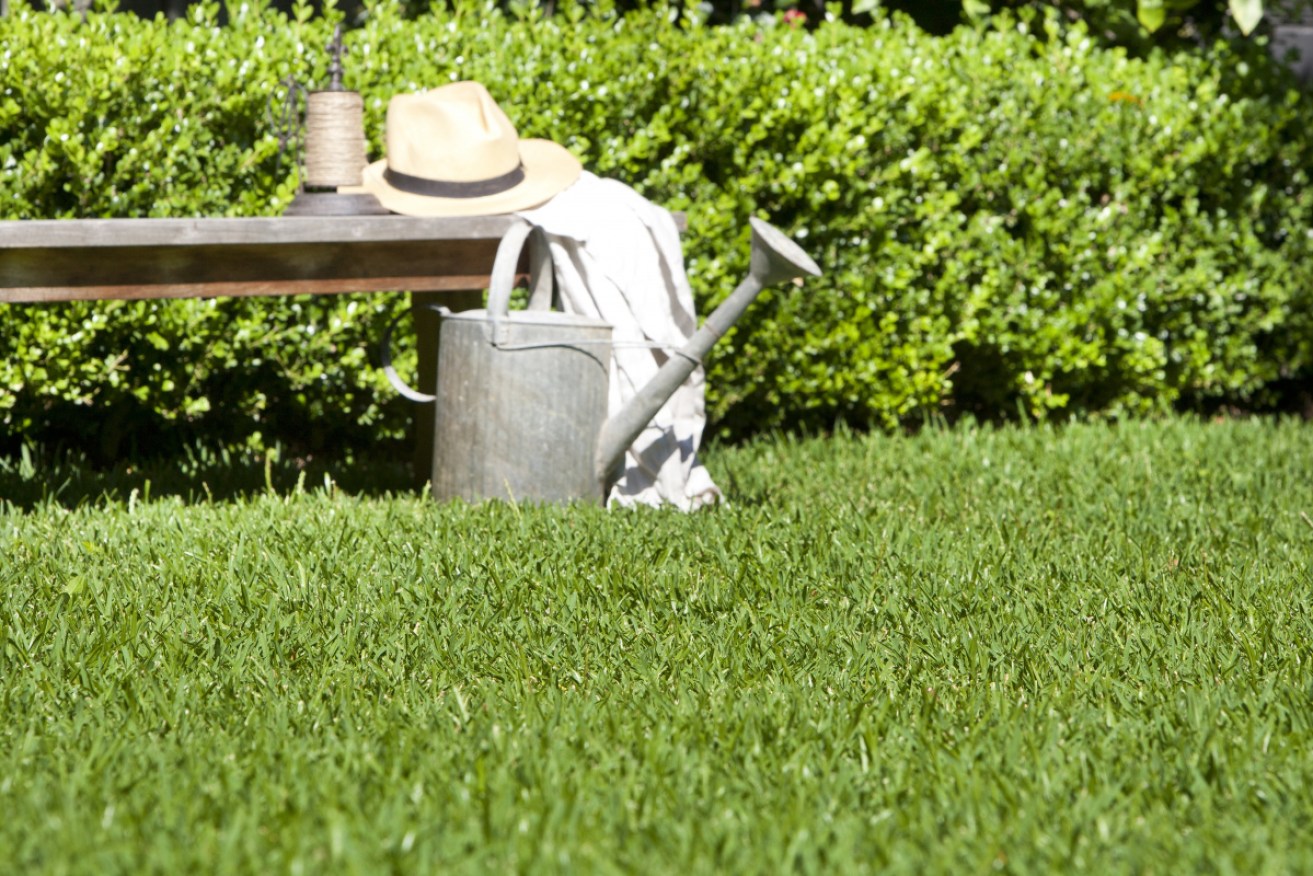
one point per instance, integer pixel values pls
(426, 340)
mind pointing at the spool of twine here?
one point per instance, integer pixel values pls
(334, 139)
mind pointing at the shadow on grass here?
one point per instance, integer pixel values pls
(35, 479)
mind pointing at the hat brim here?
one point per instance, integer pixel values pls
(549, 169)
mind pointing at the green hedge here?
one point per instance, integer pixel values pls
(1010, 219)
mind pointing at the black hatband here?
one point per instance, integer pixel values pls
(439, 188)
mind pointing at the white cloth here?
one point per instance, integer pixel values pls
(617, 257)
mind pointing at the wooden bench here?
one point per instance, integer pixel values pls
(96, 259)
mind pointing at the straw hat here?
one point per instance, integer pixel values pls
(453, 152)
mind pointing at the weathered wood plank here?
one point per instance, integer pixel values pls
(115, 233)
(90, 259)
(243, 290)
(89, 273)
(118, 233)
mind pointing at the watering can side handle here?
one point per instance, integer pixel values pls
(385, 355)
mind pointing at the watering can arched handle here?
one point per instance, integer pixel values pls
(504, 269)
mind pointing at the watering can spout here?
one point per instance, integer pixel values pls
(775, 259)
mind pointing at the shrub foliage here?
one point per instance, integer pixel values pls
(1010, 218)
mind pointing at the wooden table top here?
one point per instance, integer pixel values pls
(263, 230)
(92, 259)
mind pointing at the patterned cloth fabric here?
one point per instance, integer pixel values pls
(617, 257)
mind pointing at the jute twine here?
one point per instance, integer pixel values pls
(334, 138)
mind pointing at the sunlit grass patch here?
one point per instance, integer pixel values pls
(1054, 650)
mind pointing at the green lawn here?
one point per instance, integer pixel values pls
(1035, 650)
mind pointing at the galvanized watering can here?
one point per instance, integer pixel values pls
(521, 398)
